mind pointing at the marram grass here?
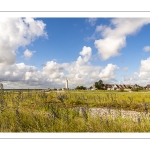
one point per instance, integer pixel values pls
(36, 111)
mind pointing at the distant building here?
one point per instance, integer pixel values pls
(148, 87)
(116, 87)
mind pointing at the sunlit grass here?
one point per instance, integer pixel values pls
(38, 111)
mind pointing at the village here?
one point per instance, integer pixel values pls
(124, 87)
(100, 86)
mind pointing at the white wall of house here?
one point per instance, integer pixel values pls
(115, 87)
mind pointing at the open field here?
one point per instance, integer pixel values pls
(74, 111)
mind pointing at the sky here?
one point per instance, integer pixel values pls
(44, 52)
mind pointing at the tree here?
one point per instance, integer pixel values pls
(80, 88)
(99, 84)
(90, 87)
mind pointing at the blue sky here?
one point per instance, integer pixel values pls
(43, 52)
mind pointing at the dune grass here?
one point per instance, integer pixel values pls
(38, 111)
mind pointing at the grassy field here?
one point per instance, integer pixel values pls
(68, 111)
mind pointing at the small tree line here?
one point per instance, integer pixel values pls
(100, 86)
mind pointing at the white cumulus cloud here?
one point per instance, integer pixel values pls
(108, 72)
(28, 54)
(85, 55)
(145, 65)
(114, 36)
(15, 33)
(80, 72)
(92, 21)
(142, 76)
(146, 48)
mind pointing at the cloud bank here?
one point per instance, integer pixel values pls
(141, 77)
(53, 74)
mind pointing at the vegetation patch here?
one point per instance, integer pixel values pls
(38, 111)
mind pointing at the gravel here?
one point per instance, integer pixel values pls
(114, 113)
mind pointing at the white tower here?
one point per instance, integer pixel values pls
(66, 84)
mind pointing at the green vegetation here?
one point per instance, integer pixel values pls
(99, 84)
(80, 88)
(68, 111)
